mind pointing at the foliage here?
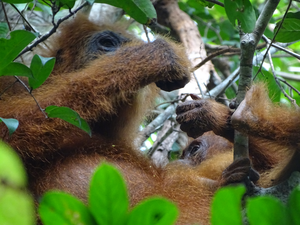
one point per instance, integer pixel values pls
(243, 12)
(9, 50)
(232, 214)
(266, 77)
(259, 210)
(16, 205)
(290, 29)
(141, 11)
(41, 68)
(108, 202)
(217, 25)
(68, 115)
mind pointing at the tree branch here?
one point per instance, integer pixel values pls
(249, 42)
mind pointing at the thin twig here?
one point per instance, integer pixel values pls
(293, 101)
(29, 91)
(216, 2)
(24, 19)
(198, 84)
(286, 50)
(160, 141)
(8, 87)
(271, 43)
(288, 75)
(290, 86)
(146, 32)
(52, 31)
(213, 55)
(6, 18)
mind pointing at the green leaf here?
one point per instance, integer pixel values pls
(154, 211)
(16, 69)
(231, 214)
(266, 77)
(295, 15)
(69, 116)
(265, 210)
(293, 207)
(11, 167)
(108, 197)
(12, 124)
(205, 3)
(242, 11)
(140, 10)
(16, 206)
(289, 31)
(58, 208)
(67, 3)
(41, 68)
(10, 48)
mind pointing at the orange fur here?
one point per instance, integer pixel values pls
(108, 93)
(112, 92)
(263, 118)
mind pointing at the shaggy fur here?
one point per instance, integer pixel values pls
(113, 93)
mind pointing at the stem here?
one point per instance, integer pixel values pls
(249, 42)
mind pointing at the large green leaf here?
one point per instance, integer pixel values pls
(58, 208)
(11, 167)
(108, 197)
(205, 3)
(293, 207)
(69, 116)
(154, 211)
(16, 205)
(140, 10)
(226, 206)
(16, 69)
(265, 210)
(242, 11)
(268, 78)
(65, 3)
(289, 31)
(41, 68)
(10, 48)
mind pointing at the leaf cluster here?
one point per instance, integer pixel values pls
(259, 210)
(108, 202)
